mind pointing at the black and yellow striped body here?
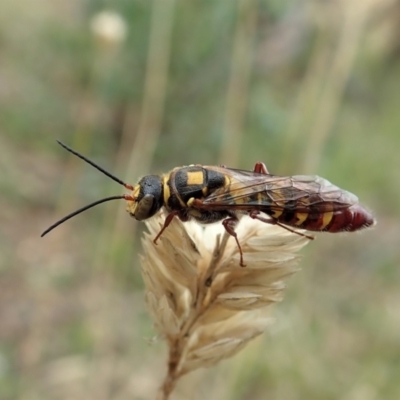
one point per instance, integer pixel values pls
(210, 194)
(183, 185)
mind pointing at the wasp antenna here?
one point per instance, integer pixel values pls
(114, 178)
(67, 217)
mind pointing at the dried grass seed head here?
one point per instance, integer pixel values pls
(201, 300)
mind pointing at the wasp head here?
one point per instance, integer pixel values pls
(146, 198)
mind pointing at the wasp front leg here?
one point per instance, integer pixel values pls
(229, 225)
(261, 168)
(183, 217)
(167, 221)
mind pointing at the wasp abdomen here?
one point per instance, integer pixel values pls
(348, 219)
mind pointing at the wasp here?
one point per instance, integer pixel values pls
(209, 194)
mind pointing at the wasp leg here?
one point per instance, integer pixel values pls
(256, 215)
(229, 225)
(261, 168)
(167, 221)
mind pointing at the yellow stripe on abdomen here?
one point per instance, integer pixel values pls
(326, 219)
(301, 217)
(276, 213)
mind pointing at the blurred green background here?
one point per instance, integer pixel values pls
(140, 86)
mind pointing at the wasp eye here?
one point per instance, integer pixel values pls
(144, 207)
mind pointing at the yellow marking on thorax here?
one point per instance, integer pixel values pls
(195, 178)
(301, 217)
(204, 191)
(259, 198)
(167, 192)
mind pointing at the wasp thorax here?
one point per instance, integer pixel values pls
(148, 198)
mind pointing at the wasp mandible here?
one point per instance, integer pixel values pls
(215, 193)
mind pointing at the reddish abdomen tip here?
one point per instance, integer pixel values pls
(351, 219)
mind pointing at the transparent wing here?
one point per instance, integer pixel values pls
(300, 192)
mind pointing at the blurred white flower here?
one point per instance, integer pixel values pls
(109, 27)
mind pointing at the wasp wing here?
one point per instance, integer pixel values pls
(247, 190)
